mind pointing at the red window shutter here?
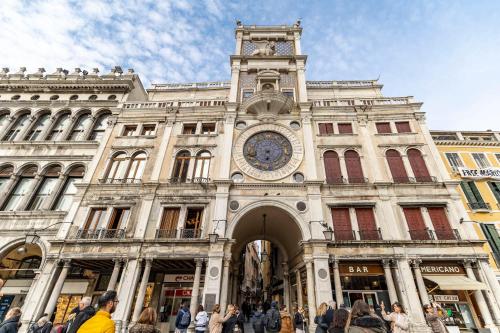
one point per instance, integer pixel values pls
(416, 224)
(366, 223)
(345, 128)
(332, 167)
(418, 166)
(440, 222)
(396, 166)
(353, 166)
(383, 127)
(342, 224)
(403, 127)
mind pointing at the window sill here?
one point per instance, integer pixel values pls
(197, 135)
(337, 134)
(394, 134)
(137, 136)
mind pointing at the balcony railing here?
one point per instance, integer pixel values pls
(370, 234)
(479, 206)
(341, 235)
(190, 233)
(421, 234)
(166, 233)
(120, 181)
(100, 234)
(359, 180)
(177, 180)
(343, 180)
(335, 181)
(447, 234)
(403, 180)
(425, 179)
(200, 180)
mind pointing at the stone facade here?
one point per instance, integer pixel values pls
(182, 176)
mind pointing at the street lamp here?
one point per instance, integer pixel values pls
(327, 231)
(213, 237)
(32, 237)
(263, 255)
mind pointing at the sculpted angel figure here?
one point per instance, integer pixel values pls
(264, 48)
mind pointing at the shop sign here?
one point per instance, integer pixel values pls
(180, 278)
(493, 173)
(360, 269)
(441, 268)
(178, 292)
(446, 298)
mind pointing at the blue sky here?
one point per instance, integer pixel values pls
(445, 53)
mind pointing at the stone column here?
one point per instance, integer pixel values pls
(422, 291)
(393, 296)
(8, 187)
(30, 192)
(22, 133)
(196, 287)
(300, 302)
(491, 278)
(225, 285)
(322, 281)
(337, 284)
(311, 299)
(286, 286)
(86, 131)
(234, 292)
(162, 151)
(49, 201)
(480, 301)
(51, 305)
(211, 289)
(490, 298)
(142, 291)
(126, 293)
(114, 275)
(7, 124)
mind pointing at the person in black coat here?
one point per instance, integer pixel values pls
(329, 313)
(11, 323)
(86, 312)
(228, 325)
(240, 319)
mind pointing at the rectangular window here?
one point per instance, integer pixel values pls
(168, 224)
(129, 130)
(403, 127)
(288, 93)
(18, 193)
(366, 224)
(247, 93)
(119, 218)
(342, 227)
(325, 128)
(440, 222)
(148, 129)
(495, 188)
(192, 224)
(43, 193)
(481, 160)
(473, 196)
(383, 128)
(208, 128)
(189, 129)
(95, 219)
(491, 233)
(454, 160)
(345, 128)
(416, 224)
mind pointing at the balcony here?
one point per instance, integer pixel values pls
(403, 180)
(421, 234)
(360, 180)
(343, 235)
(481, 206)
(446, 234)
(166, 234)
(99, 234)
(370, 234)
(425, 179)
(266, 103)
(120, 181)
(190, 233)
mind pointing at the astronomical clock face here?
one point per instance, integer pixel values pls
(268, 152)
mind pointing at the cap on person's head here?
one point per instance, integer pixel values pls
(109, 295)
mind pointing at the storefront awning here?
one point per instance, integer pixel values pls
(455, 282)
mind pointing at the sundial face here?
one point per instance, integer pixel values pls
(267, 151)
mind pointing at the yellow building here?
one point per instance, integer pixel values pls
(473, 158)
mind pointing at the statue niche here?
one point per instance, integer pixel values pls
(264, 48)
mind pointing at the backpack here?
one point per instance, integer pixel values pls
(186, 318)
(274, 321)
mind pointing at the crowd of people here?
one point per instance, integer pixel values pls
(268, 317)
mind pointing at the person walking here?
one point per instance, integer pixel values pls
(86, 312)
(398, 318)
(216, 320)
(339, 322)
(329, 312)
(101, 322)
(362, 321)
(146, 322)
(11, 323)
(183, 319)
(273, 319)
(240, 321)
(231, 322)
(433, 319)
(320, 319)
(201, 320)
(43, 325)
(71, 318)
(299, 320)
(286, 320)
(257, 320)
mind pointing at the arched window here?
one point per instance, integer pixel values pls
(45, 189)
(137, 164)
(59, 127)
(80, 126)
(5, 174)
(21, 190)
(38, 127)
(396, 166)
(332, 167)
(68, 191)
(118, 168)
(99, 127)
(418, 166)
(27, 266)
(19, 124)
(201, 166)
(181, 166)
(353, 166)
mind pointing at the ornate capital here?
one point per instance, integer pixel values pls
(387, 263)
(416, 263)
(468, 263)
(199, 261)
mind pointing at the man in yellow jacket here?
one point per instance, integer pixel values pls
(101, 322)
